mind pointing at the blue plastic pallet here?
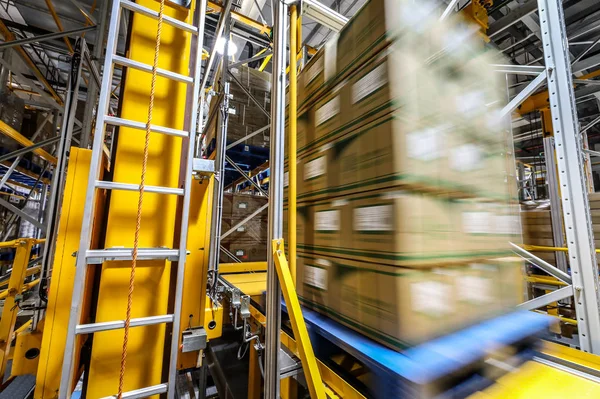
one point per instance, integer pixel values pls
(408, 373)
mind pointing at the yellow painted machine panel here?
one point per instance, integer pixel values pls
(152, 282)
(194, 285)
(25, 360)
(63, 275)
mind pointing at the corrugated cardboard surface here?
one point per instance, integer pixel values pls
(400, 307)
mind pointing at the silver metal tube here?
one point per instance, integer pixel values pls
(25, 150)
(273, 300)
(590, 125)
(188, 150)
(217, 206)
(213, 52)
(49, 36)
(92, 94)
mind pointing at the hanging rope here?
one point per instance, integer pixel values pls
(140, 202)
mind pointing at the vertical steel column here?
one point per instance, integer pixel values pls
(217, 205)
(555, 206)
(59, 173)
(273, 301)
(576, 209)
(292, 138)
(92, 94)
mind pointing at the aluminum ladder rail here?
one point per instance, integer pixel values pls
(86, 256)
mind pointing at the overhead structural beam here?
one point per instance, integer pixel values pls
(586, 64)
(18, 137)
(590, 125)
(42, 38)
(9, 36)
(25, 150)
(88, 16)
(324, 15)
(512, 18)
(213, 51)
(58, 23)
(523, 94)
(263, 28)
(531, 70)
(252, 59)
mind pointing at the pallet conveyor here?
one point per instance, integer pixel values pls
(498, 358)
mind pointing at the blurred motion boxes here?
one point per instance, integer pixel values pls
(407, 228)
(400, 307)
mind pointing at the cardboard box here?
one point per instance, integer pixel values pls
(402, 307)
(245, 204)
(316, 174)
(409, 229)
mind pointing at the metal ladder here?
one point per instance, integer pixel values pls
(87, 256)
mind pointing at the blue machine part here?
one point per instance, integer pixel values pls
(405, 374)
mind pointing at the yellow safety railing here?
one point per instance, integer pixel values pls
(541, 248)
(15, 288)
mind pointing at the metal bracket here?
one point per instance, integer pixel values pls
(235, 298)
(203, 168)
(245, 307)
(193, 339)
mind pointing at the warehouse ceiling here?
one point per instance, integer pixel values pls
(513, 29)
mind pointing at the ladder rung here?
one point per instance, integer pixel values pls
(111, 185)
(97, 256)
(117, 59)
(154, 14)
(115, 325)
(116, 121)
(142, 392)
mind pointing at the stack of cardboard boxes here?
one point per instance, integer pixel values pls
(248, 242)
(245, 116)
(405, 209)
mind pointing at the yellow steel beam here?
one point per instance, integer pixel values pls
(227, 268)
(292, 140)
(9, 36)
(8, 131)
(58, 23)
(265, 62)
(63, 276)
(307, 356)
(262, 28)
(544, 280)
(30, 271)
(542, 248)
(26, 341)
(10, 310)
(254, 377)
(26, 287)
